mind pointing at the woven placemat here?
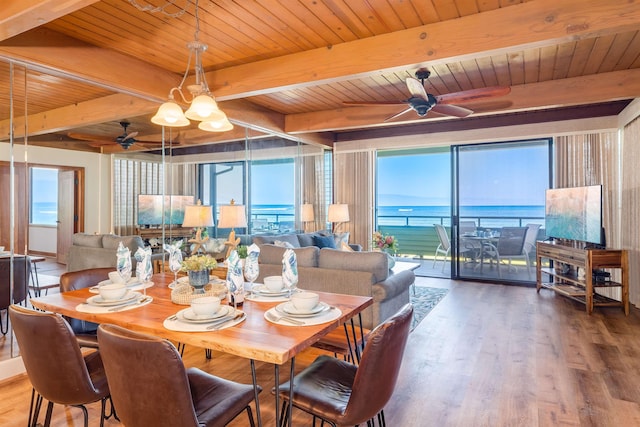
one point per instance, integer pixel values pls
(183, 294)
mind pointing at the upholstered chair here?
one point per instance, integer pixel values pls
(70, 281)
(21, 275)
(151, 387)
(58, 370)
(341, 393)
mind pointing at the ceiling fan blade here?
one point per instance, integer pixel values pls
(388, 119)
(471, 95)
(416, 88)
(88, 137)
(451, 110)
(130, 135)
(364, 103)
(99, 144)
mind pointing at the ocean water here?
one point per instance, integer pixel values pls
(44, 213)
(484, 216)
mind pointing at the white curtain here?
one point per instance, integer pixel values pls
(592, 159)
(354, 185)
(630, 222)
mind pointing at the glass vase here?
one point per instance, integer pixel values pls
(198, 279)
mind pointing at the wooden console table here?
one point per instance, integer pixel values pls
(582, 288)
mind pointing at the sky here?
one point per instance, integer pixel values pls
(488, 176)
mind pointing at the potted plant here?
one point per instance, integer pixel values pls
(385, 243)
(197, 267)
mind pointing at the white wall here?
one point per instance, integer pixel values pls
(43, 239)
(97, 169)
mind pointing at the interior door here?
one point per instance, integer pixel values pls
(66, 213)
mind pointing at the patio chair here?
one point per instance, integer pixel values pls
(509, 246)
(528, 247)
(444, 247)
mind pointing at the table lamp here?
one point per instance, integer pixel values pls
(338, 213)
(232, 216)
(198, 216)
(306, 214)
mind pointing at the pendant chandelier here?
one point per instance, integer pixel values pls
(203, 107)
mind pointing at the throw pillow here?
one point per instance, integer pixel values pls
(341, 238)
(283, 244)
(324, 242)
(345, 247)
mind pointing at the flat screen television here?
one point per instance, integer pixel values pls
(151, 208)
(575, 214)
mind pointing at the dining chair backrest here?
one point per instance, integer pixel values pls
(379, 367)
(21, 276)
(74, 280)
(511, 240)
(52, 357)
(442, 236)
(149, 384)
(467, 227)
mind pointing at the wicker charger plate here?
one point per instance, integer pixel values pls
(183, 294)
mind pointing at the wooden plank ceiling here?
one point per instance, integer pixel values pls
(287, 68)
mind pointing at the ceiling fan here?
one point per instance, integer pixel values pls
(422, 102)
(126, 140)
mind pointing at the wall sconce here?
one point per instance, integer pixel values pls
(198, 216)
(232, 216)
(338, 214)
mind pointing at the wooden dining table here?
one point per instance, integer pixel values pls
(255, 338)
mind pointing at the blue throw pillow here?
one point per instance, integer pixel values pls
(324, 242)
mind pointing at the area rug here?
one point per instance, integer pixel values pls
(423, 302)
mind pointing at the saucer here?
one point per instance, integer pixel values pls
(187, 315)
(288, 309)
(97, 300)
(262, 290)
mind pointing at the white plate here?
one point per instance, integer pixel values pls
(187, 315)
(100, 302)
(288, 309)
(262, 290)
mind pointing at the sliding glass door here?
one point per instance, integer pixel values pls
(499, 208)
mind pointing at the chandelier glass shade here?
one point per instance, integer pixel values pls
(203, 107)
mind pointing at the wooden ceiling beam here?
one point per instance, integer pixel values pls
(593, 89)
(59, 54)
(19, 16)
(109, 108)
(531, 24)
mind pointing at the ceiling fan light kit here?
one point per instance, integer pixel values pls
(203, 107)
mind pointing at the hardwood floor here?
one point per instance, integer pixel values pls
(487, 355)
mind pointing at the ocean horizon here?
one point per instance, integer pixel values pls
(413, 215)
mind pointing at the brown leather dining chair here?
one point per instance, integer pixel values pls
(56, 367)
(21, 274)
(151, 387)
(72, 280)
(343, 394)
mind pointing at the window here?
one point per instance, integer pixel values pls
(44, 196)
(273, 195)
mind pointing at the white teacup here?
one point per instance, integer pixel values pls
(273, 283)
(305, 301)
(115, 277)
(112, 291)
(205, 306)
(1, 248)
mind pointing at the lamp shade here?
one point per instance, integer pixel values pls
(307, 213)
(170, 114)
(338, 213)
(203, 107)
(221, 125)
(197, 216)
(232, 216)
